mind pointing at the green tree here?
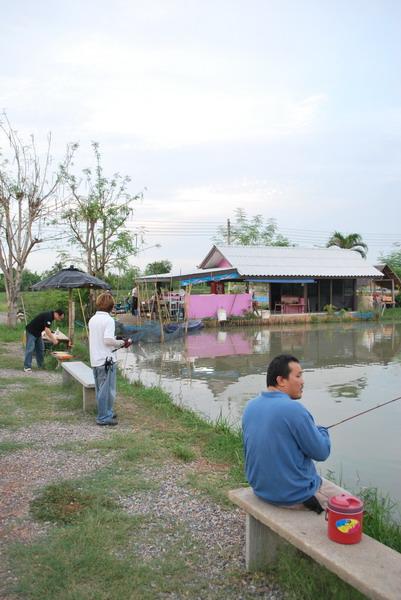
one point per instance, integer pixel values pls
(58, 266)
(352, 241)
(250, 231)
(29, 278)
(29, 198)
(158, 267)
(123, 280)
(393, 259)
(97, 217)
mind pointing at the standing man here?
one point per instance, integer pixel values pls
(34, 341)
(281, 442)
(134, 306)
(102, 358)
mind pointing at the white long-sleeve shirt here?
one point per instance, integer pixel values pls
(101, 338)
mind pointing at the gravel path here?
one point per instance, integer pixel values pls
(24, 471)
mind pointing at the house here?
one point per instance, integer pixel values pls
(296, 279)
(385, 288)
(316, 277)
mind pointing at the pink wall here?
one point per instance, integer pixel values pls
(208, 304)
(219, 343)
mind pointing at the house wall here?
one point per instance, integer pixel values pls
(207, 305)
(223, 263)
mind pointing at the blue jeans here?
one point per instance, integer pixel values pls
(105, 386)
(33, 343)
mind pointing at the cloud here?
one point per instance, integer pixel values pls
(166, 100)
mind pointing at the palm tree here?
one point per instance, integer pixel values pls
(352, 241)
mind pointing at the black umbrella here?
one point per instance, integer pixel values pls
(67, 279)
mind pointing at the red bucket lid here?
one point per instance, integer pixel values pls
(345, 503)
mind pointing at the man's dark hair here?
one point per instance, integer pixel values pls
(60, 312)
(279, 367)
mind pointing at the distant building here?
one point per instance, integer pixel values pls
(296, 279)
(316, 276)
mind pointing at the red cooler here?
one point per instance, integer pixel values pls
(344, 514)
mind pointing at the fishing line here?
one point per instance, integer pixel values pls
(363, 412)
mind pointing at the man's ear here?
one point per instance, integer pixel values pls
(280, 381)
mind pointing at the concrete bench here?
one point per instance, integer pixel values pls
(84, 375)
(368, 566)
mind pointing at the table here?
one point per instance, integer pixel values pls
(59, 335)
(297, 306)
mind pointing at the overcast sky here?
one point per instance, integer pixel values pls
(287, 108)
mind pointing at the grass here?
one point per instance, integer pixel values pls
(100, 558)
(94, 550)
(378, 520)
(391, 313)
(65, 502)
(301, 578)
(11, 447)
(183, 452)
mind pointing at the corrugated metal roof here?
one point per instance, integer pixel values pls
(283, 261)
(167, 277)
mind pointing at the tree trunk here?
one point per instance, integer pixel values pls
(12, 306)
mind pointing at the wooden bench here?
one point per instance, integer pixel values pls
(84, 375)
(368, 566)
(388, 301)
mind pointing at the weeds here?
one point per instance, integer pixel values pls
(65, 502)
(183, 452)
(301, 577)
(378, 520)
(10, 447)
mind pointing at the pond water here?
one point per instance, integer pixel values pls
(348, 368)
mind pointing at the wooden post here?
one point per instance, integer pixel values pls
(71, 316)
(160, 314)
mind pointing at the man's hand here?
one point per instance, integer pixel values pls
(126, 343)
(55, 342)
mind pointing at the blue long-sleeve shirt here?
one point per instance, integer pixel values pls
(281, 441)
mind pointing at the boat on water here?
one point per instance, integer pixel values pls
(188, 326)
(154, 332)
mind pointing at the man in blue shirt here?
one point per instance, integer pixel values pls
(281, 441)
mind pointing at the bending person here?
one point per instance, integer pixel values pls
(34, 341)
(281, 441)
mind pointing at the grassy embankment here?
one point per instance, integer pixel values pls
(92, 549)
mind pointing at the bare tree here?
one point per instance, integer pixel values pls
(27, 198)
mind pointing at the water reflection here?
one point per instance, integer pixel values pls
(352, 389)
(348, 368)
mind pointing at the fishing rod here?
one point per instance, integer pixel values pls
(126, 344)
(363, 412)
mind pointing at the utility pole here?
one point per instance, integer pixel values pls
(228, 243)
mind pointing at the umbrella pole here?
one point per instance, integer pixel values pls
(83, 314)
(71, 317)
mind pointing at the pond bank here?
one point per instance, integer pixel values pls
(169, 473)
(158, 471)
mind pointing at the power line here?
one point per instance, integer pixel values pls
(210, 229)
